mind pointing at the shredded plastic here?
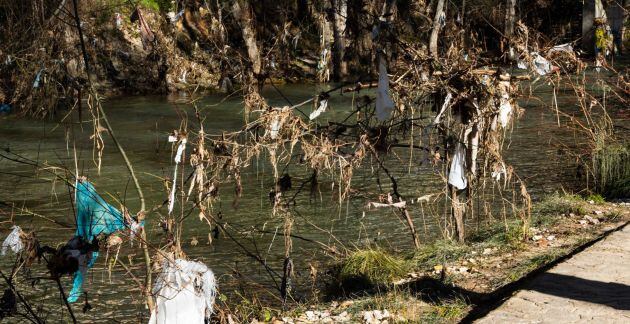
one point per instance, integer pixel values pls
(323, 105)
(13, 241)
(178, 158)
(384, 104)
(94, 217)
(457, 174)
(446, 104)
(541, 64)
(185, 293)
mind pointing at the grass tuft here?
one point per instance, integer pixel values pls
(375, 266)
(558, 204)
(611, 167)
(439, 252)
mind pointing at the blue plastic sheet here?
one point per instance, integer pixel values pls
(94, 217)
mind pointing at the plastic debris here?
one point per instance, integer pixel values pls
(457, 173)
(118, 20)
(13, 241)
(499, 170)
(400, 204)
(445, 105)
(323, 105)
(384, 104)
(375, 316)
(275, 127)
(5, 108)
(561, 48)
(174, 17)
(178, 158)
(505, 111)
(185, 292)
(37, 79)
(94, 217)
(541, 65)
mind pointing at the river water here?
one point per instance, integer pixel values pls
(142, 125)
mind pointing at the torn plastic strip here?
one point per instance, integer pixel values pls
(384, 104)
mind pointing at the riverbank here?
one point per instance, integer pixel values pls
(449, 282)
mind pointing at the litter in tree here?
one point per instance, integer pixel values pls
(384, 104)
(13, 241)
(323, 104)
(457, 173)
(185, 292)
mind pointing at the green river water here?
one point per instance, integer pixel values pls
(142, 125)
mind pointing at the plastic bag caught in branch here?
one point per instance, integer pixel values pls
(384, 104)
(185, 292)
(541, 65)
(13, 241)
(457, 173)
(323, 105)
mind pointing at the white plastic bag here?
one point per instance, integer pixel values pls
(457, 174)
(185, 292)
(13, 241)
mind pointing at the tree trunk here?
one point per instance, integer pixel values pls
(458, 214)
(437, 25)
(588, 36)
(510, 20)
(340, 66)
(243, 13)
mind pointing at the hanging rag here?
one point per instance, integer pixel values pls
(384, 104)
(457, 173)
(185, 292)
(13, 241)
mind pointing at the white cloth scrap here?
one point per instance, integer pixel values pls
(13, 241)
(457, 174)
(185, 292)
(384, 104)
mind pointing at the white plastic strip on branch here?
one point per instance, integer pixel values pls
(384, 104)
(447, 102)
(178, 158)
(322, 108)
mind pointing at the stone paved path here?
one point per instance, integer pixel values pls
(591, 287)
